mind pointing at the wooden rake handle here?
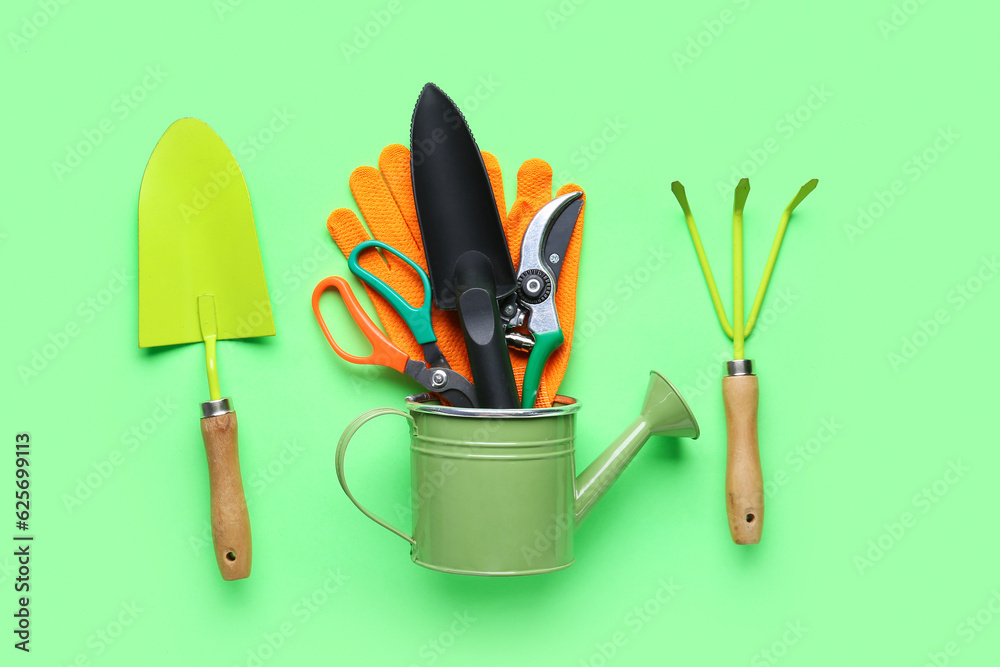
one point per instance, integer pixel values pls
(744, 481)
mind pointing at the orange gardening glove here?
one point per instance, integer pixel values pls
(385, 198)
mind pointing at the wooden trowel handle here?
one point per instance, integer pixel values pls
(744, 481)
(230, 520)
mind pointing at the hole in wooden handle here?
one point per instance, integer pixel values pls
(750, 518)
(231, 556)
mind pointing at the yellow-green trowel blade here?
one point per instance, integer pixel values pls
(197, 237)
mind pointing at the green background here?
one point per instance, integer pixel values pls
(854, 441)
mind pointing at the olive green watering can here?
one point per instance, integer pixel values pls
(495, 492)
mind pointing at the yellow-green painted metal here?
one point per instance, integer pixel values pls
(493, 491)
(775, 247)
(739, 331)
(196, 238)
(739, 200)
(699, 249)
(210, 332)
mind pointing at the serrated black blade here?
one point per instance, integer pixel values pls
(453, 197)
(467, 256)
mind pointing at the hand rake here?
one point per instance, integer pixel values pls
(744, 481)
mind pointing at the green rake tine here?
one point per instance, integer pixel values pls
(775, 247)
(739, 200)
(681, 196)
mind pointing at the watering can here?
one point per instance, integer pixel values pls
(495, 492)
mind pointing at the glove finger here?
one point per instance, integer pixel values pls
(382, 215)
(534, 181)
(347, 232)
(534, 189)
(394, 163)
(387, 225)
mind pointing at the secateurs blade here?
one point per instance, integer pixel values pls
(543, 250)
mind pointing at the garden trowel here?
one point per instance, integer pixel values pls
(201, 280)
(467, 255)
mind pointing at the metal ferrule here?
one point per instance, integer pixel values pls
(222, 406)
(739, 367)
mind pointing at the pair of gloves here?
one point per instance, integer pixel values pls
(385, 198)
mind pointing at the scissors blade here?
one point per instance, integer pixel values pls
(450, 384)
(434, 356)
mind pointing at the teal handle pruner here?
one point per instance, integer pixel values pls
(542, 253)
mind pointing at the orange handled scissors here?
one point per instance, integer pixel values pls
(450, 384)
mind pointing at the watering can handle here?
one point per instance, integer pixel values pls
(345, 439)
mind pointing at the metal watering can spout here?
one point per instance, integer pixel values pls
(664, 412)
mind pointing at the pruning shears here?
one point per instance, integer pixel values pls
(543, 249)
